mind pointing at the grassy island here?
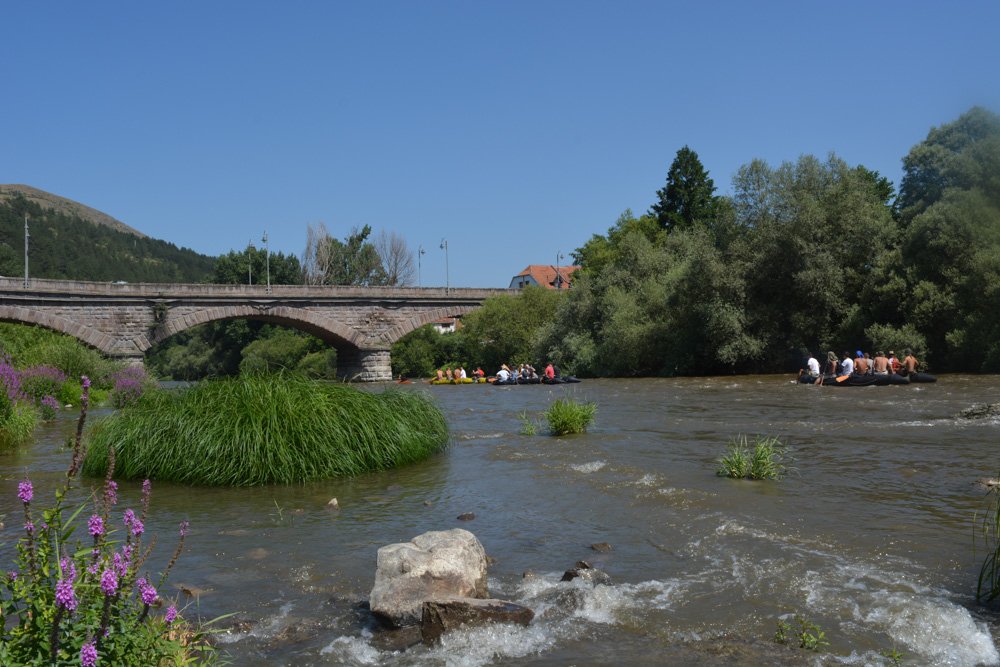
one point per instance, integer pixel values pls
(265, 429)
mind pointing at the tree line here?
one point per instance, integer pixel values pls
(806, 256)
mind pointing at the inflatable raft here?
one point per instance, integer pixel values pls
(868, 380)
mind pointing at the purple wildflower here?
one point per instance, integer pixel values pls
(25, 492)
(95, 525)
(85, 382)
(88, 655)
(109, 582)
(146, 591)
(111, 492)
(29, 527)
(171, 614)
(68, 568)
(12, 575)
(132, 522)
(65, 595)
(185, 524)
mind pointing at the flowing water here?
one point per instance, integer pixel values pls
(870, 536)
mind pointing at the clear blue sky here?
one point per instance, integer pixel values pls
(515, 130)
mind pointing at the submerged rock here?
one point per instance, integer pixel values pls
(436, 565)
(584, 571)
(602, 547)
(441, 616)
(981, 411)
(467, 516)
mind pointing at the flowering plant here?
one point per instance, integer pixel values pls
(72, 604)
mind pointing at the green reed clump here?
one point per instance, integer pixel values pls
(18, 425)
(761, 461)
(266, 429)
(988, 586)
(566, 416)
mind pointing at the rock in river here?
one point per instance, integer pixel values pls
(441, 616)
(434, 566)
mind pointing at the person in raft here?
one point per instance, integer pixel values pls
(861, 366)
(909, 363)
(847, 365)
(894, 364)
(832, 364)
(550, 372)
(881, 363)
(812, 366)
(503, 375)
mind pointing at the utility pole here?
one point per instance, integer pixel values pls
(267, 259)
(420, 253)
(26, 236)
(447, 282)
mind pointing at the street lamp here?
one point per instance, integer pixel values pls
(558, 281)
(420, 253)
(250, 262)
(26, 236)
(267, 259)
(447, 282)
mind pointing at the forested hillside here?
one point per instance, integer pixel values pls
(64, 245)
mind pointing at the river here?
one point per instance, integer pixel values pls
(870, 536)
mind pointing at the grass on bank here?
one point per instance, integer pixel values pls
(17, 426)
(764, 460)
(566, 416)
(266, 429)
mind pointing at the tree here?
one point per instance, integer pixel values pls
(688, 197)
(396, 258)
(238, 266)
(353, 261)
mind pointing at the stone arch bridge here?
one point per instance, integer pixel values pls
(124, 320)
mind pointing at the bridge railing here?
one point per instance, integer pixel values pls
(162, 290)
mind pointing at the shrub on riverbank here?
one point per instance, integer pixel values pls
(266, 429)
(763, 461)
(566, 416)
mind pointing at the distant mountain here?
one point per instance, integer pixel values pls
(75, 242)
(67, 206)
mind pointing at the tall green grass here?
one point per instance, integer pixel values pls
(266, 429)
(16, 428)
(764, 460)
(566, 416)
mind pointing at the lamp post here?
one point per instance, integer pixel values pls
(558, 281)
(267, 260)
(447, 282)
(26, 236)
(420, 253)
(250, 262)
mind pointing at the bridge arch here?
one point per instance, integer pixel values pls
(425, 317)
(323, 327)
(101, 342)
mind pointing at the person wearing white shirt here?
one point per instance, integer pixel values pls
(847, 365)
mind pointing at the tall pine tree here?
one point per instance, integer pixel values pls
(688, 196)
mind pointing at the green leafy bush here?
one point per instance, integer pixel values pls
(265, 429)
(566, 416)
(762, 461)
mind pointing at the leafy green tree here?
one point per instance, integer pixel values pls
(504, 329)
(238, 267)
(353, 261)
(688, 196)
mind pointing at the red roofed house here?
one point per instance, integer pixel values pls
(546, 276)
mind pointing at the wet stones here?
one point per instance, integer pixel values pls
(585, 572)
(440, 616)
(602, 547)
(467, 516)
(435, 565)
(981, 411)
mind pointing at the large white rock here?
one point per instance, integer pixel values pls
(437, 565)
